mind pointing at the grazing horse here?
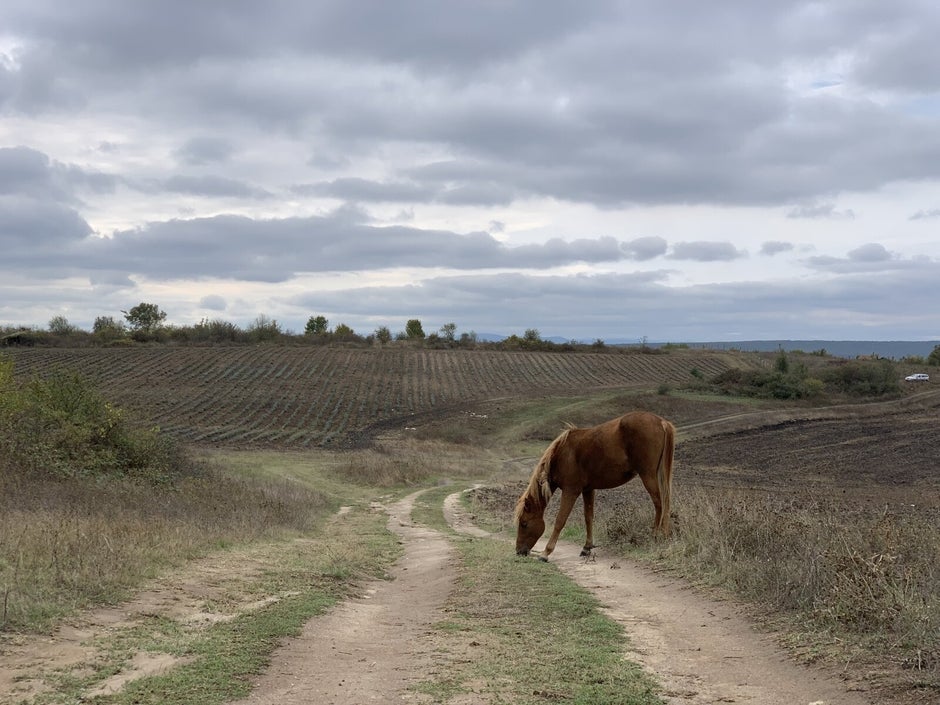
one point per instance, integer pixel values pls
(582, 460)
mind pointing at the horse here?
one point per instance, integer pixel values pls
(582, 460)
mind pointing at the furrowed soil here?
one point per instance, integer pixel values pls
(372, 648)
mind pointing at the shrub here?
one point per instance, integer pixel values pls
(61, 426)
(106, 329)
(264, 329)
(860, 379)
(59, 325)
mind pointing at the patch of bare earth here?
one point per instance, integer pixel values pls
(369, 650)
(701, 650)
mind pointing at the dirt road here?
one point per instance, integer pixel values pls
(368, 650)
(701, 651)
(371, 649)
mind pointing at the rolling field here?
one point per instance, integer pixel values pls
(302, 397)
(825, 512)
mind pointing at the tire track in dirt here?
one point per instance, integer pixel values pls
(369, 650)
(702, 651)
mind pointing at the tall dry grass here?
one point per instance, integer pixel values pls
(869, 576)
(69, 544)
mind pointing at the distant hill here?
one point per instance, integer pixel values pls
(891, 349)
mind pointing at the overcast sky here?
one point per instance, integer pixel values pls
(679, 171)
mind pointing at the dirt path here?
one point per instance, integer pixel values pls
(371, 649)
(702, 651)
(368, 650)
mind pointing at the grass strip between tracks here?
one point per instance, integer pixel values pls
(521, 632)
(217, 662)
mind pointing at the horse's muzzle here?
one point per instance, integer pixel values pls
(522, 551)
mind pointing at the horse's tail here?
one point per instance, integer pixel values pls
(664, 473)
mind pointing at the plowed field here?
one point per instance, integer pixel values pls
(297, 397)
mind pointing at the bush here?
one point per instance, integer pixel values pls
(264, 329)
(854, 378)
(860, 379)
(61, 426)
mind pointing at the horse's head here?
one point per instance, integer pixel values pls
(530, 524)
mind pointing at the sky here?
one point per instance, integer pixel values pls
(679, 172)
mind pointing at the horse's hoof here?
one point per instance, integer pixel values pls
(544, 559)
(585, 552)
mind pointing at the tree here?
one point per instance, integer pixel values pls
(933, 358)
(59, 325)
(108, 328)
(145, 318)
(264, 328)
(414, 330)
(343, 332)
(383, 334)
(316, 325)
(468, 340)
(449, 332)
(532, 336)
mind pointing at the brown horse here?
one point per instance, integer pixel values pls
(582, 460)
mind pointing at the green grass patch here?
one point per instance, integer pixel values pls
(521, 632)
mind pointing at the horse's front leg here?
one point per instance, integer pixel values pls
(564, 509)
(588, 497)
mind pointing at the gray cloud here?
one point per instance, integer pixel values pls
(462, 119)
(872, 258)
(31, 173)
(531, 100)
(578, 307)
(275, 250)
(31, 230)
(820, 210)
(872, 252)
(706, 251)
(358, 189)
(926, 214)
(644, 248)
(213, 302)
(775, 247)
(210, 186)
(205, 150)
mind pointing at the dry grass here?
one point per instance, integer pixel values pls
(67, 544)
(862, 583)
(414, 461)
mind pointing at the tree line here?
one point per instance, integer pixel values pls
(147, 323)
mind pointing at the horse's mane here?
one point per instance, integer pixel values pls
(539, 490)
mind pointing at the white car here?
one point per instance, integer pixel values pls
(919, 377)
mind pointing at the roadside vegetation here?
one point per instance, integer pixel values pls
(519, 631)
(91, 504)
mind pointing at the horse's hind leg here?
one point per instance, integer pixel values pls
(588, 497)
(651, 483)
